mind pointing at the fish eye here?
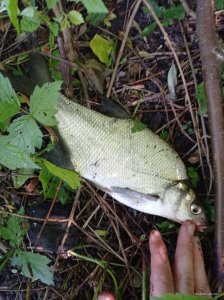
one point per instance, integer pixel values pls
(195, 209)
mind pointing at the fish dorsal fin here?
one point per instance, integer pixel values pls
(113, 109)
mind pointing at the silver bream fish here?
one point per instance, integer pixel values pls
(138, 169)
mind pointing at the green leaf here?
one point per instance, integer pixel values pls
(180, 297)
(193, 175)
(25, 133)
(174, 12)
(33, 266)
(22, 176)
(138, 126)
(149, 29)
(9, 101)
(49, 183)
(4, 125)
(94, 6)
(13, 157)
(201, 97)
(44, 101)
(13, 12)
(165, 226)
(31, 19)
(15, 230)
(75, 17)
(102, 48)
(51, 3)
(219, 4)
(69, 176)
(172, 80)
(54, 28)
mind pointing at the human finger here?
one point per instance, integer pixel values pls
(161, 280)
(105, 296)
(183, 271)
(200, 278)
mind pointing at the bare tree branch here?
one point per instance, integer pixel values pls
(211, 67)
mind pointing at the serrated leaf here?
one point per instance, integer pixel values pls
(51, 3)
(102, 48)
(30, 24)
(15, 230)
(69, 176)
(25, 133)
(138, 126)
(13, 12)
(33, 266)
(13, 157)
(75, 17)
(44, 101)
(172, 80)
(22, 176)
(9, 101)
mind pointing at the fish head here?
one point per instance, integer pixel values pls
(181, 204)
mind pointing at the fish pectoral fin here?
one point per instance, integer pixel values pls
(131, 193)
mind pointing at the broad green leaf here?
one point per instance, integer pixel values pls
(149, 29)
(31, 19)
(51, 3)
(172, 80)
(44, 101)
(25, 133)
(69, 176)
(9, 101)
(13, 12)
(102, 48)
(180, 297)
(75, 17)
(100, 232)
(13, 157)
(14, 231)
(22, 176)
(201, 97)
(33, 266)
(96, 9)
(138, 126)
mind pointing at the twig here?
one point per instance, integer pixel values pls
(189, 11)
(211, 68)
(138, 2)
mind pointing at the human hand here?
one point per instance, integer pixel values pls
(188, 276)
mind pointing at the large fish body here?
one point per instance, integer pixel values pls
(137, 169)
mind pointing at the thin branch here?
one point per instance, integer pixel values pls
(122, 46)
(211, 68)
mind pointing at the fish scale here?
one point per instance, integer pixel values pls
(106, 152)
